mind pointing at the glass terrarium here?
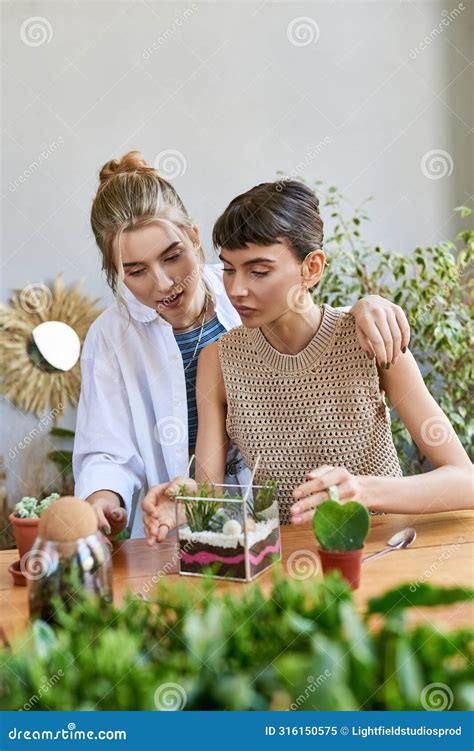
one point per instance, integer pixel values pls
(226, 533)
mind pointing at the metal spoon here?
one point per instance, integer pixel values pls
(400, 540)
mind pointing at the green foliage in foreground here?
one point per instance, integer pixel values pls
(304, 646)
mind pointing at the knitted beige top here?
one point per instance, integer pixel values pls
(321, 406)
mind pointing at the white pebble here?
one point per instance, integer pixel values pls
(232, 527)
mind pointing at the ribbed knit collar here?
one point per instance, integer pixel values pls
(305, 359)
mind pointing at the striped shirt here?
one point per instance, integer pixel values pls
(212, 331)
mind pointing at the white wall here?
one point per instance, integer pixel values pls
(222, 83)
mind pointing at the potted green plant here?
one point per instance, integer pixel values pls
(341, 530)
(25, 519)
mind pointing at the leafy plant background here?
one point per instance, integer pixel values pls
(62, 459)
(434, 287)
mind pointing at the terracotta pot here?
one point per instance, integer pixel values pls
(346, 561)
(19, 579)
(25, 531)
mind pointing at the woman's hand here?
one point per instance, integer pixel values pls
(382, 328)
(111, 516)
(159, 509)
(315, 490)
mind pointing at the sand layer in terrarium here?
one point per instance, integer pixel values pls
(226, 553)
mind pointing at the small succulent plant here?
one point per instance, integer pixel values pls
(198, 513)
(31, 508)
(264, 497)
(341, 526)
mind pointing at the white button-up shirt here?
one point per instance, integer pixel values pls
(132, 420)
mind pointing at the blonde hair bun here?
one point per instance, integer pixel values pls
(131, 194)
(132, 161)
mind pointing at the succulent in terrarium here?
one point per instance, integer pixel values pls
(198, 513)
(264, 498)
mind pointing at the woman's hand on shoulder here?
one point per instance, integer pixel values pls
(382, 328)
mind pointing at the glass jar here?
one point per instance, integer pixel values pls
(65, 569)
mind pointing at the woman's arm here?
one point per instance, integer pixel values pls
(212, 440)
(448, 487)
(107, 465)
(159, 508)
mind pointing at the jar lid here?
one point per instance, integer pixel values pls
(67, 519)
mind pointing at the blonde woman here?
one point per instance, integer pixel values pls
(293, 387)
(137, 414)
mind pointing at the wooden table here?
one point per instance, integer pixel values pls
(441, 554)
